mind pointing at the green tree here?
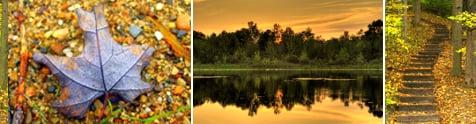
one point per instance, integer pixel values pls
(360, 59)
(257, 57)
(342, 57)
(304, 59)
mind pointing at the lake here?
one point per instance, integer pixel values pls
(287, 96)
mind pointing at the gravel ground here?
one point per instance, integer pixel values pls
(52, 28)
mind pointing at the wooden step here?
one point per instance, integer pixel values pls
(433, 49)
(417, 91)
(418, 71)
(427, 65)
(430, 52)
(425, 56)
(433, 45)
(417, 107)
(418, 118)
(416, 84)
(417, 99)
(423, 60)
(418, 78)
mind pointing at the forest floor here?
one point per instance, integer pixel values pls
(456, 102)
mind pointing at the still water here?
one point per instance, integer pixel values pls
(287, 97)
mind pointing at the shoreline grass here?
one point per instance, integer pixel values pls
(205, 67)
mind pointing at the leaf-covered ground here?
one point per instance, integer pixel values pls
(456, 102)
(52, 28)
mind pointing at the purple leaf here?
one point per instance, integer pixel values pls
(104, 67)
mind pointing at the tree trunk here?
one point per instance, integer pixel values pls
(456, 35)
(405, 19)
(471, 77)
(3, 47)
(417, 11)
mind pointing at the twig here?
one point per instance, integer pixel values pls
(171, 40)
(24, 56)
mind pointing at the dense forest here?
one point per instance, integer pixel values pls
(285, 46)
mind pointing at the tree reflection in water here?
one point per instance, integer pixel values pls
(279, 91)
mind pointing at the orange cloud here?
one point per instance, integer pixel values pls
(324, 17)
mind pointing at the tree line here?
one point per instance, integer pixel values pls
(277, 46)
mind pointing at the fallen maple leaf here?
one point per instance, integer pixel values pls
(104, 67)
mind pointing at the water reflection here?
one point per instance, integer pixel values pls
(283, 90)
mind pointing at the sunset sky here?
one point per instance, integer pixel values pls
(328, 18)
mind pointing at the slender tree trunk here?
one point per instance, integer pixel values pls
(417, 11)
(3, 47)
(456, 35)
(471, 79)
(469, 73)
(405, 19)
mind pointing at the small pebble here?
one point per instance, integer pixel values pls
(178, 90)
(135, 30)
(42, 9)
(74, 7)
(47, 34)
(173, 18)
(68, 52)
(171, 25)
(171, 2)
(158, 35)
(178, 114)
(171, 80)
(51, 89)
(183, 22)
(169, 99)
(114, 99)
(147, 110)
(60, 22)
(159, 6)
(160, 99)
(158, 88)
(14, 37)
(186, 121)
(169, 93)
(181, 33)
(174, 31)
(61, 34)
(98, 104)
(143, 99)
(181, 82)
(30, 91)
(174, 71)
(57, 48)
(43, 50)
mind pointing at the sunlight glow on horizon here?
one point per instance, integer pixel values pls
(325, 18)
